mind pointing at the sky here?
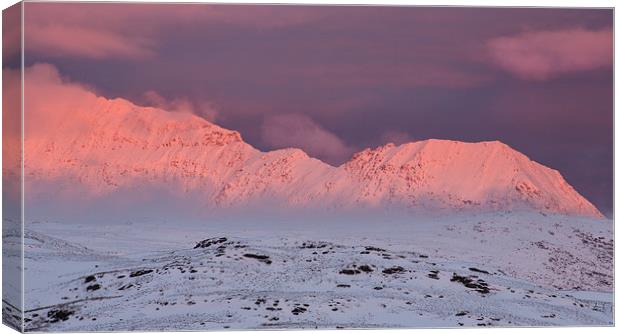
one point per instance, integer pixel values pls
(335, 80)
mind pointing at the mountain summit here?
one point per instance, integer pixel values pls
(111, 146)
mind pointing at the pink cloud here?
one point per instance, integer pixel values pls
(117, 30)
(11, 136)
(300, 131)
(51, 102)
(396, 137)
(180, 104)
(86, 42)
(54, 102)
(539, 55)
(92, 30)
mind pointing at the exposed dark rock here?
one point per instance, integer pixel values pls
(393, 270)
(365, 268)
(208, 242)
(472, 283)
(59, 315)
(350, 272)
(313, 245)
(262, 258)
(375, 249)
(479, 270)
(297, 310)
(434, 274)
(140, 272)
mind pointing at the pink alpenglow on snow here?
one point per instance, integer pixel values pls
(112, 146)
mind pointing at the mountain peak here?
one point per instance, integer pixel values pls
(115, 145)
(464, 175)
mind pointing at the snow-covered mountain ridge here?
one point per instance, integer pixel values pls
(114, 145)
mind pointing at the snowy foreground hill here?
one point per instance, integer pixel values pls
(473, 270)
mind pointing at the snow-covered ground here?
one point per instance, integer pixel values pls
(473, 270)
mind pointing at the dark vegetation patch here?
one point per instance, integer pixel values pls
(262, 258)
(541, 244)
(93, 287)
(208, 242)
(89, 279)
